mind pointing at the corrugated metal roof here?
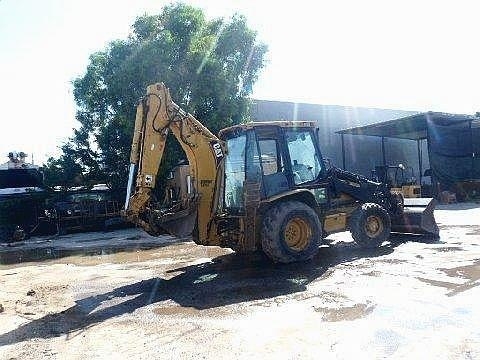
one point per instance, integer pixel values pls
(413, 127)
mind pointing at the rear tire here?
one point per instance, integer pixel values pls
(291, 232)
(370, 225)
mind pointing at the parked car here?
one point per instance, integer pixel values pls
(81, 210)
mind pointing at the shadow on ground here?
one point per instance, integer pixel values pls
(227, 279)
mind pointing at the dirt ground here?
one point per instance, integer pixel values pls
(408, 299)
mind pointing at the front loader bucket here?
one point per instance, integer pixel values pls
(417, 217)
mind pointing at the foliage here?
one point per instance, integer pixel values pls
(209, 66)
(64, 171)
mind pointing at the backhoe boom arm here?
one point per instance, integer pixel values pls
(157, 115)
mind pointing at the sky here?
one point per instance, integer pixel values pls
(408, 55)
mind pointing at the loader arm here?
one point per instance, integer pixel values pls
(156, 116)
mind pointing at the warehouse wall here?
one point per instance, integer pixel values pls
(362, 152)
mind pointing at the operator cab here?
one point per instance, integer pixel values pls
(280, 156)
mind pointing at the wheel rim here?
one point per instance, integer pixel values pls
(297, 234)
(373, 226)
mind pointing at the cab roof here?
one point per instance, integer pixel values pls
(279, 123)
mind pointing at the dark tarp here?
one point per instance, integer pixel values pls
(454, 150)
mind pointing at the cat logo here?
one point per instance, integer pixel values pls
(217, 150)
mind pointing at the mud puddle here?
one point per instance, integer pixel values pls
(346, 313)
(453, 226)
(471, 273)
(78, 256)
(189, 311)
(444, 284)
(174, 253)
(392, 261)
(177, 252)
(177, 310)
(448, 249)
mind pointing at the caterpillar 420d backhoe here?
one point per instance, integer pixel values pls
(257, 186)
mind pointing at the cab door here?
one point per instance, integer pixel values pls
(304, 156)
(272, 160)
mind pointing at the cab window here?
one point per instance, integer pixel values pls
(270, 156)
(305, 162)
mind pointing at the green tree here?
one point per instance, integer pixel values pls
(209, 66)
(64, 171)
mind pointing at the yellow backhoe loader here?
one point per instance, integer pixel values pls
(400, 178)
(257, 186)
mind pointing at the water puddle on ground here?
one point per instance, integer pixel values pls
(80, 258)
(172, 253)
(115, 258)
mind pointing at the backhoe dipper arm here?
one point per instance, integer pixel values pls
(157, 115)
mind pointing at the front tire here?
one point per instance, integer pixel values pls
(370, 225)
(291, 232)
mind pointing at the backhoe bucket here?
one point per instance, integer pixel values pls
(417, 217)
(180, 224)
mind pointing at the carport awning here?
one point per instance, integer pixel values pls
(413, 127)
